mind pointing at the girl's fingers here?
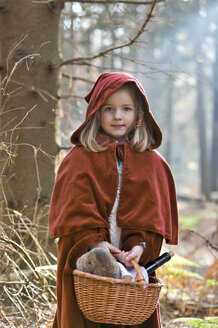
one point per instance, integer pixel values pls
(131, 256)
(135, 253)
(121, 257)
(113, 249)
(126, 257)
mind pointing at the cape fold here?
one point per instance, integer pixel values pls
(86, 186)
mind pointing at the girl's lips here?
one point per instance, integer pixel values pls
(117, 126)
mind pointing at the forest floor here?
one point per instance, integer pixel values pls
(190, 277)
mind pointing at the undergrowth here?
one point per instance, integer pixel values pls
(27, 273)
(189, 296)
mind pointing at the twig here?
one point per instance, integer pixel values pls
(77, 78)
(65, 147)
(29, 262)
(106, 51)
(13, 301)
(38, 90)
(11, 110)
(5, 317)
(208, 243)
(22, 38)
(35, 151)
(20, 249)
(23, 119)
(23, 128)
(18, 63)
(70, 96)
(12, 133)
(7, 123)
(51, 157)
(5, 200)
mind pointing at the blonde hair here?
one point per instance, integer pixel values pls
(140, 138)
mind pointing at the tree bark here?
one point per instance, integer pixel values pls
(200, 113)
(32, 84)
(214, 150)
(200, 110)
(169, 118)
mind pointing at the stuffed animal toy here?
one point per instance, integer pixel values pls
(99, 261)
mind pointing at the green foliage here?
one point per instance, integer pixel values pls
(212, 320)
(187, 222)
(208, 322)
(190, 221)
(189, 292)
(182, 261)
(175, 268)
(189, 322)
(183, 273)
(211, 283)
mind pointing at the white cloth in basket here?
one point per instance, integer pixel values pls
(130, 273)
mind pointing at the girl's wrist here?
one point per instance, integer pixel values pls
(143, 245)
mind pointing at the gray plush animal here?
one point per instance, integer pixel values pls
(99, 261)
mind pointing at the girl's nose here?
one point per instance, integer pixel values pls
(117, 114)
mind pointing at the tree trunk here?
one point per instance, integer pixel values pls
(200, 111)
(201, 127)
(214, 151)
(32, 84)
(169, 118)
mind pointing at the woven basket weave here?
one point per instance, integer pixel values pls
(116, 301)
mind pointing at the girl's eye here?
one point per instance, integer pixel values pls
(126, 109)
(107, 109)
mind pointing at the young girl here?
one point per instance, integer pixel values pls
(113, 190)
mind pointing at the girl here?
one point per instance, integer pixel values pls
(112, 190)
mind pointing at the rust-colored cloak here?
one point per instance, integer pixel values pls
(84, 194)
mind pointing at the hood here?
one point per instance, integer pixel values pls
(103, 87)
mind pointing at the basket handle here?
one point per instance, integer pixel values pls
(139, 275)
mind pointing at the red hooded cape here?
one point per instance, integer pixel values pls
(84, 194)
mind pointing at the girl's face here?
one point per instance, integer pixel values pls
(118, 114)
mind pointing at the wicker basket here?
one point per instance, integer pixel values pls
(116, 301)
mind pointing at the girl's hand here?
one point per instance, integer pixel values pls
(125, 257)
(105, 244)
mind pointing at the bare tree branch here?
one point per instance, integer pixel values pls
(67, 76)
(42, 93)
(70, 96)
(101, 2)
(103, 53)
(208, 243)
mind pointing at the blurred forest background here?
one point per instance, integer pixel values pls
(51, 53)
